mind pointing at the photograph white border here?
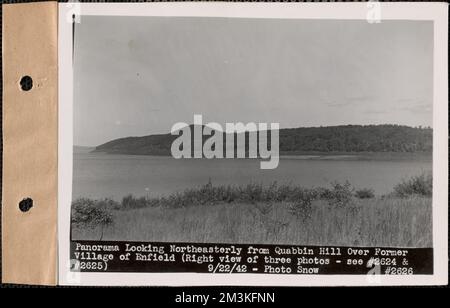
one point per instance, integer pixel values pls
(436, 12)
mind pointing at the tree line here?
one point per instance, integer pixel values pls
(343, 138)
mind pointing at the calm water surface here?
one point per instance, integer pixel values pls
(98, 175)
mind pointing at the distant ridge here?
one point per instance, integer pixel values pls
(343, 138)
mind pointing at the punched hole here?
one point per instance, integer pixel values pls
(26, 83)
(26, 204)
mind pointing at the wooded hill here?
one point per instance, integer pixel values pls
(344, 138)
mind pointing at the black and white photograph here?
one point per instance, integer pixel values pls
(287, 137)
(355, 131)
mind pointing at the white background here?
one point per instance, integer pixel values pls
(399, 11)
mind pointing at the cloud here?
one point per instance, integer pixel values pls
(372, 111)
(351, 101)
(420, 108)
(340, 104)
(414, 105)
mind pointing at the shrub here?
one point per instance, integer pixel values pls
(131, 202)
(421, 185)
(302, 208)
(340, 195)
(321, 193)
(365, 193)
(300, 197)
(251, 192)
(87, 213)
(108, 204)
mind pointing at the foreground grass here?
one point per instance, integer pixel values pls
(382, 221)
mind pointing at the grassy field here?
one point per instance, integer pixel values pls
(274, 214)
(381, 221)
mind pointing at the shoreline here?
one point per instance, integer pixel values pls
(301, 155)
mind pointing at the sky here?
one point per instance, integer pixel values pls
(136, 76)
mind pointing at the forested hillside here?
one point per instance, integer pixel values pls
(345, 138)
